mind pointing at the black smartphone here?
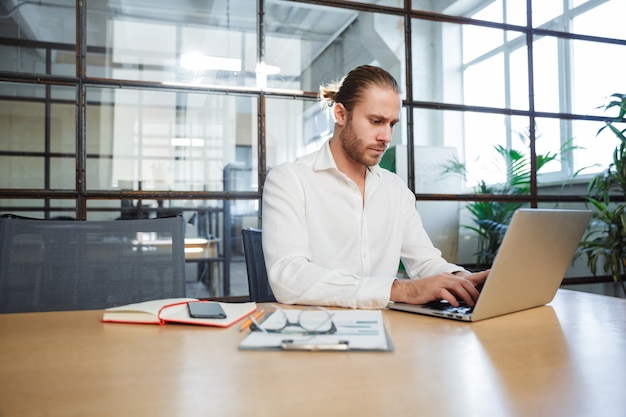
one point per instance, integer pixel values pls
(206, 310)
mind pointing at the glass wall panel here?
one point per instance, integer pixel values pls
(437, 56)
(484, 83)
(597, 72)
(480, 40)
(166, 140)
(471, 65)
(297, 127)
(294, 127)
(63, 173)
(206, 42)
(499, 11)
(23, 117)
(558, 157)
(553, 145)
(495, 65)
(41, 37)
(23, 124)
(65, 209)
(546, 11)
(63, 127)
(241, 214)
(34, 123)
(547, 70)
(606, 20)
(308, 45)
(584, 17)
(438, 140)
(39, 208)
(30, 60)
(516, 12)
(391, 3)
(487, 10)
(518, 79)
(594, 150)
(441, 221)
(215, 264)
(26, 91)
(22, 172)
(462, 8)
(491, 141)
(178, 95)
(204, 218)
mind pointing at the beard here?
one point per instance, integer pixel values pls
(355, 148)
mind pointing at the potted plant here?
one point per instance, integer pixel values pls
(491, 218)
(605, 240)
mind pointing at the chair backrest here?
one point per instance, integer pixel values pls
(48, 265)
(258, 284)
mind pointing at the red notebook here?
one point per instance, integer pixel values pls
(174, 310)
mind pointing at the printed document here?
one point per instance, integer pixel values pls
(356, 330)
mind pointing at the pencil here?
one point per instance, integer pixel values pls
(248, 321)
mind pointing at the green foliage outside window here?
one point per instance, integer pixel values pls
(605, 241)
(491, 218)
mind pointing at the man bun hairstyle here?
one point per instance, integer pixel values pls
(350, 89)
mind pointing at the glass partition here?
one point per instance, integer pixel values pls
(36, 208)
(38, 145)
(297, 127)
(39, 37)
(205, 43)
(184, 106)
(308, 45)
(293, 128)
(595, 148)
(470, 65)
(598, 72)
(142, 139)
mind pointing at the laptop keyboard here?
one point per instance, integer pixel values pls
(443, 305)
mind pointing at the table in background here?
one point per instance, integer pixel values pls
(564, 359)
(204, 252)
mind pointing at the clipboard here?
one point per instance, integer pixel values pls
(357, 330)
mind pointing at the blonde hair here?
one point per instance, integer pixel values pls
(350, 89)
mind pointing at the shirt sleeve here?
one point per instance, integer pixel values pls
(294, 278)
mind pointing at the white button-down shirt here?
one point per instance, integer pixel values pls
(326, 245)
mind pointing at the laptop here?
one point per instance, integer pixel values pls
(528, 269)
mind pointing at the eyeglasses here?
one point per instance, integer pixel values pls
(311, 321)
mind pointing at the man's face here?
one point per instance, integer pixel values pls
(367, 129)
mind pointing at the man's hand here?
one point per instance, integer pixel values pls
(444, 286)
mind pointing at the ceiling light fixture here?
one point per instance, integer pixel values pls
(197, 63)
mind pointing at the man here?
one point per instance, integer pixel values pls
(335, 224)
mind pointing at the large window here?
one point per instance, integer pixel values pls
(139, 108)
(570, 76)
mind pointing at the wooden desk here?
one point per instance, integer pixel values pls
(566, 359)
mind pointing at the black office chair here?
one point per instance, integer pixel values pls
(48, 265)
(258, 284)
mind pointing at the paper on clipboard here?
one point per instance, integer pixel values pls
(356, 330)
